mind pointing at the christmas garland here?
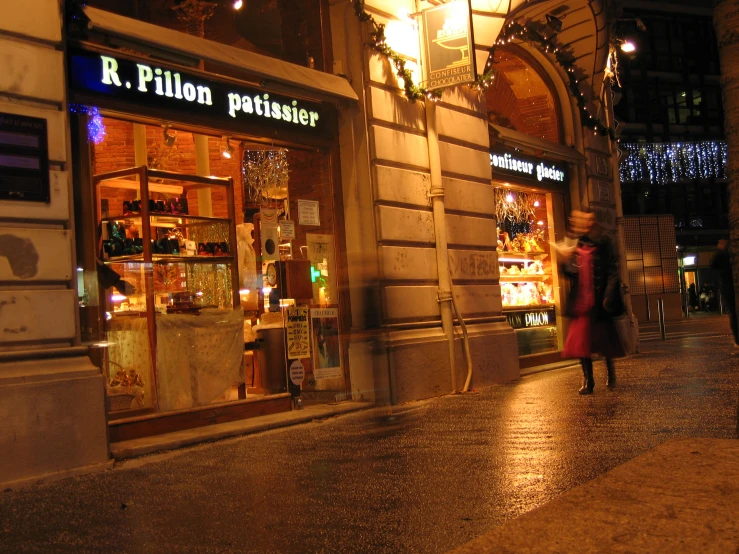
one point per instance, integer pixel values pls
(531, 32)
(379, 44)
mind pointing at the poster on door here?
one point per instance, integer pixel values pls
(326, 344)
(298, 334)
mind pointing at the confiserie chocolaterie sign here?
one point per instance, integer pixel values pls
(152, 84)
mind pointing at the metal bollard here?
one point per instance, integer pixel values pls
(661, 312)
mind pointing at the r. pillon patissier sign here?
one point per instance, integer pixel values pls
(151, 84)
(518, 166)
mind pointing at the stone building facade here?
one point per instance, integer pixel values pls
(415, 210)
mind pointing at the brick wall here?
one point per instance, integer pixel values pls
(310, 179)
(117, 152)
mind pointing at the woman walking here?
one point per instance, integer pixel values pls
(594, 299)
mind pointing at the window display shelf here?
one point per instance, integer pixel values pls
(519, 256)
(171, 258)
(524, 278)
(166, 219)
(528, 307)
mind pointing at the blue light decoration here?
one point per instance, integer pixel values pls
(662, 163)
(95, 126)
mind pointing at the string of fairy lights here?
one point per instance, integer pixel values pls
(95, 126)
(662, 163)
(532, 32)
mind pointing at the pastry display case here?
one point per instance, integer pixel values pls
(528, 273)
(167, 262)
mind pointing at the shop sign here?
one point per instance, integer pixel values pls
(526, 319)
(154, 84)
(287, 229)
(24, 158)
(297, 373)
(308, 212)
(326, 345)
(515, 164)
(298, 333)
(448, 45)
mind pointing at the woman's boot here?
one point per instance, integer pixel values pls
(611, 378)
(587, 371)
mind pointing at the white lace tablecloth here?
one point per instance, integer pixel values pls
(198, 356)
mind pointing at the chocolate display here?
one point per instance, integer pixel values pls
(174, 206)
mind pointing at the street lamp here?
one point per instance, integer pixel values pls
(628, 47)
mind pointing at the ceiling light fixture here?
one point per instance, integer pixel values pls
(168, 139)
(227, 150)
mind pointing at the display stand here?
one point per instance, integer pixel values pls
(173, 275)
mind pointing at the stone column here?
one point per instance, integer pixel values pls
(52, 403)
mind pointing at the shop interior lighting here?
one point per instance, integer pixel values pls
(509, 198)
(227, 151)
(516, 260)
(238, 4)
(244, 291)
(120, 298)
(536, 204)
(266, 290)
(540, 223)
(628, 46)
(168, 138)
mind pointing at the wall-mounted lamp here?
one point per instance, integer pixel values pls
(238, 4)
(168, 138)
(689, 260)
(227, 150)
(628, 46)
(554, 23)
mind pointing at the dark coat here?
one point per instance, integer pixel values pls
(605, 280)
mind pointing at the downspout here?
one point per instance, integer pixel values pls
(445, 295)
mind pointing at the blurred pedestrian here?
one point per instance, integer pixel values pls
(594, 299)
(704, 299)
(692, 298)
(722, 263)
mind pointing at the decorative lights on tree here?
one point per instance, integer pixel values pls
(517, 207)
(662, 163)
(264, 172)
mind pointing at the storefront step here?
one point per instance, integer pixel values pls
(147, 445)
(548, 367)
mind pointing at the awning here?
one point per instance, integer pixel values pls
(269, 69)
(516, 139)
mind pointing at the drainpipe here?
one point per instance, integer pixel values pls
(445, 297)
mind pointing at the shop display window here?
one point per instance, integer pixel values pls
(528, 280)
(188, 268)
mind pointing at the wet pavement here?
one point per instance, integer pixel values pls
(426, 477)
